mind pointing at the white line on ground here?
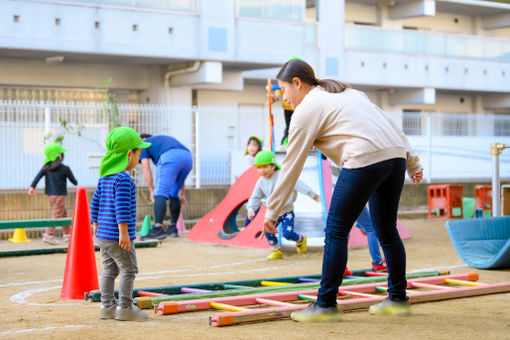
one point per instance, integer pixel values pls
(21, 297)
(34, 330)
(29, 283)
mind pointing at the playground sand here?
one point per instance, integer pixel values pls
(30, 291)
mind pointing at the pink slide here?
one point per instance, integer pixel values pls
(219, 227)
(211, 228)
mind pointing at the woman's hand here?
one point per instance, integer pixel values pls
(269, 226)
(417, 177)
(317, 198)
(251, 215)
(31, 191)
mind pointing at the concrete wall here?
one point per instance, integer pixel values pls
(18, 205)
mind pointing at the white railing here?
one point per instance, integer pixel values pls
(24, 126)
(426, 43)
(451, 146)
(457, 146)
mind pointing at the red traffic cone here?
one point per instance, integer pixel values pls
(80, 275)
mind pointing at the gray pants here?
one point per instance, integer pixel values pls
(115, 260)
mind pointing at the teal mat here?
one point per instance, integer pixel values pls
(482, 243)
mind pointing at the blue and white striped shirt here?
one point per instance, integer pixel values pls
(114, 202)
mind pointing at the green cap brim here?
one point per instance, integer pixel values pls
(275, 164)
(114, 163)
(143, 145)
(54, 155)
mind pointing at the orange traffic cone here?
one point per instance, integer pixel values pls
(80, 275)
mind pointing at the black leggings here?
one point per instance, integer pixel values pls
(160, 209)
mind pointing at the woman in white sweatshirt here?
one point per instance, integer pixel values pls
(374, 155)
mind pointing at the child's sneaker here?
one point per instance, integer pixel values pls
(107, 312)
(388, 307)
(314, 313)
(347, 272)
(65, 237)
(301, 246)
(276, 254)
(379, 267)
(132, 313)
(49, 239)
(156, 233)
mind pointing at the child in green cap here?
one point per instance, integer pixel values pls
(113, 214)
(55, 177)
(253, 146)
(268, 169)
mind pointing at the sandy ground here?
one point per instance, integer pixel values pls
(30, 290)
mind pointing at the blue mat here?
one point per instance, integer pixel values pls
(482, 243)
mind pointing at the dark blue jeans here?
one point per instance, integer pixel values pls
(382, 183)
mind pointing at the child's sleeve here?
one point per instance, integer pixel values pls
(303, 188)
(255, 198)
(94, 204)
(71, 176)
(37, 178)
(123, 200)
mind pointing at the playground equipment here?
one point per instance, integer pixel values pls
(482, 243)
(63, 250)
(483, 199)
(354, 298)
(19, 226)
(443, 199)
(219, 225)
(193, 302)
(496, 149)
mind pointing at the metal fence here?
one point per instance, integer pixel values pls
(457, 146)
(451, 146)
(26, 126)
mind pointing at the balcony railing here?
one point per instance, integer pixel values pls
(426, 43)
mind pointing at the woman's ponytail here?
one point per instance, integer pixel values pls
(297, 68)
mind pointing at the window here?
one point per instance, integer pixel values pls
(455, 126)
(502, 126)
(284, 10)
(411, 122)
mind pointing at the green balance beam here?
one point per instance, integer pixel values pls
(45, 251)
(53, 222)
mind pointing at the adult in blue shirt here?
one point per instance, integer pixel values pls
(173, 163)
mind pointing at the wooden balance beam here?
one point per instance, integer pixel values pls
(434, 294)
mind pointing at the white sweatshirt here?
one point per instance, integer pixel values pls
(347, 128)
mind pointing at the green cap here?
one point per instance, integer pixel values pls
(265, 157)
(52, 151)
(261, 142)
(294, 58)
(118, 142)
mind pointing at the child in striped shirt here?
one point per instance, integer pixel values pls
(113, 213)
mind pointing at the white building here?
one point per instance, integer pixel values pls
(441, 68)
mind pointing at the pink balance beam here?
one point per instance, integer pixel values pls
(194, 290)
(172, 307)
(151, 294)
(266, 314)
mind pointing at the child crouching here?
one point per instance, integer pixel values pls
(268, 169)
(113, 213)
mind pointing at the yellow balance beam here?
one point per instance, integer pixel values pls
(274, 283)
(224, 306)
(462, 282)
